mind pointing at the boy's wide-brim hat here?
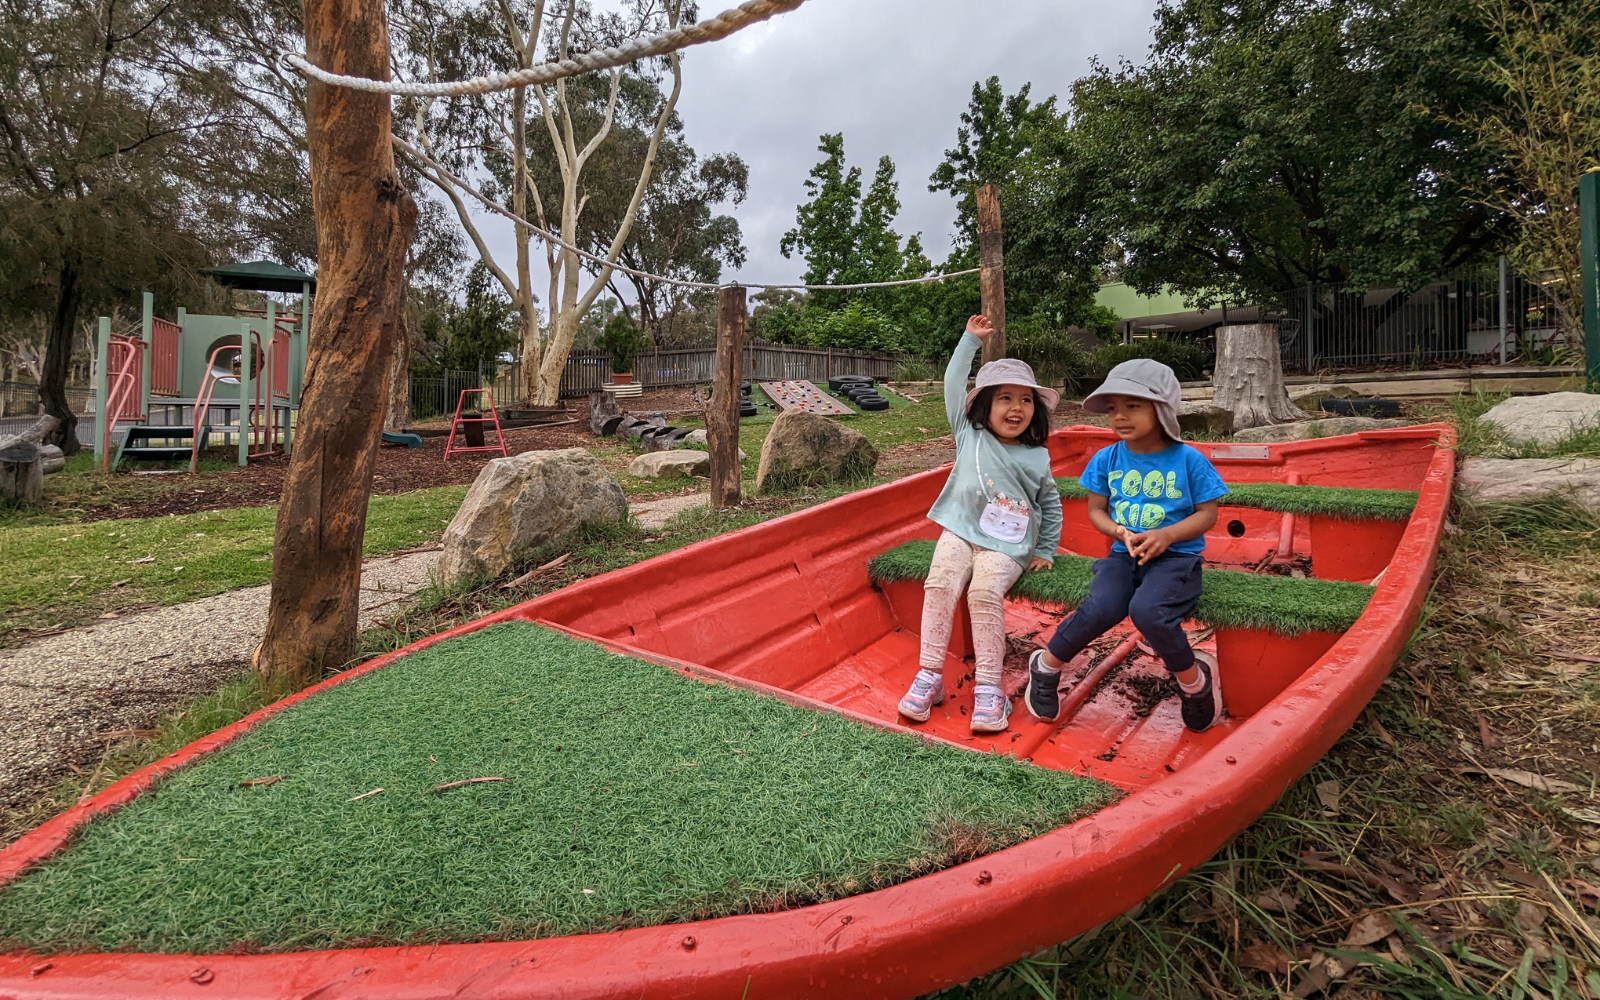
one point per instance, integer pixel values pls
(1010, 371)
(1146, 379)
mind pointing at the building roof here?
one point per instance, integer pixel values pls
(261, 276)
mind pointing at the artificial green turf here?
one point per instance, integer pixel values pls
(1345, 502)
(667, 797)
(1228, 599)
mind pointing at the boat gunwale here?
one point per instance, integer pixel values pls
(874, 944)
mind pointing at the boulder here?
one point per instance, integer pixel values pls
(1509, 480)
(697, 439)
(525, 501)
(1545, 420)
(1300, 430)
(1310, 397)
(805, 449)
(656, 464)
(1196, 418)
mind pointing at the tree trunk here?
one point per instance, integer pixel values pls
(365, 220)
(1249, 376)
(398, 411)
(57, 359)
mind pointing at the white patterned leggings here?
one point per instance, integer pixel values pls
(986, 575)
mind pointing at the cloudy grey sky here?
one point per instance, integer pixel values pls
(893, 76)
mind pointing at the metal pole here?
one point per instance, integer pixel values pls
(102, 393)
(1589, 230)
(245, 357)
(146, 330)
(1310, 322)
(1502, 309)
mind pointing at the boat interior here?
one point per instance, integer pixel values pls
(790, 606)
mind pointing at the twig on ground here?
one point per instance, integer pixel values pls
(530, 574)
(465, 781)
(251, 783)
(363, 795)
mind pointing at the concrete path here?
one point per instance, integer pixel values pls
(60, 695)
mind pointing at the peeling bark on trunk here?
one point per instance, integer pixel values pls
(1249, 376)
(399, 407)
(365, 220)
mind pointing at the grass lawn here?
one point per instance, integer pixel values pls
(59, 575)
(733, 803)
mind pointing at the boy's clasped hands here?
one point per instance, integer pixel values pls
(1145, 545)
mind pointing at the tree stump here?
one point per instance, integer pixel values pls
(21, 472)
(1249, 376)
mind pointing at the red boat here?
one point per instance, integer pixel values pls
(797, 591)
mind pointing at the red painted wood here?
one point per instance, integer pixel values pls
(733, 605)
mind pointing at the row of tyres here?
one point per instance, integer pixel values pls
(858, 389)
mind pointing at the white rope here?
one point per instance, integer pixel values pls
(550, 237)
(721, 26)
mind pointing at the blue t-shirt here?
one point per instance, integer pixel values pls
(1149, 491)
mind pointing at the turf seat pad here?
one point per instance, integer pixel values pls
(635, 795)
(1345, 502)
(1229, 599)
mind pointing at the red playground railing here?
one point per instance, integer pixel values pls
(472, 427)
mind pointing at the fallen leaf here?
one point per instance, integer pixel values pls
(1266, 957)
(1527, 779)
(1315, 980)
(1369, 928)
(1318, 861)
(1585, 891)
(1377, 727)
(1530, 915)
(1328, 795)
(1277, 901)
(1582, 814)
(1485, 736)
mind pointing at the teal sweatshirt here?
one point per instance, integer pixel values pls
(1015, 475)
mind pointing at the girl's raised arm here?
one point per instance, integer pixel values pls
(955, 373)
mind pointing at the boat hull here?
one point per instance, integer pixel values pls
(794, 591)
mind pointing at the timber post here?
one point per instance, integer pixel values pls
(991, 279)
(722, 411)
(1589, 240)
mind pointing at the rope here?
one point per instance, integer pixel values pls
(552, 238)
(721, 26)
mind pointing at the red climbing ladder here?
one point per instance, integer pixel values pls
(460, 423)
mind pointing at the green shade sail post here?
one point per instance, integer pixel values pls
(147, 334)
(1589, 231)
(183, 317)
(102, 381)
(246, 356)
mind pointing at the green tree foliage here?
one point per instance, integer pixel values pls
(1268, 143)
(623, 341)
(477, 331)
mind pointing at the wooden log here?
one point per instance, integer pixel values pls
(365, 219)
(991, 279)
(722, 411)
(21, 472)
(1249, 376)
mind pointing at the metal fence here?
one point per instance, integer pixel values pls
(589, 371)
(21, 399)
(1477, 315)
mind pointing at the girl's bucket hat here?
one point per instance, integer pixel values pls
(1010, 371)
(1146, 379)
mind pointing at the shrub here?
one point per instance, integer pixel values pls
(1188, 360)
(623, 341)
(1055, 355)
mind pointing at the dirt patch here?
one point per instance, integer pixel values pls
(1146, 691)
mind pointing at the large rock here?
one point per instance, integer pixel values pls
(1545, 420)
(658, 464)
(805, 449)
(525, 501)
(1300, 430)
(1196, 418)
(1509, 480)
(1310, 397)
(697, 439)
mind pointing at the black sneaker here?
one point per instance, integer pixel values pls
(1042, 699)
(1203, 708)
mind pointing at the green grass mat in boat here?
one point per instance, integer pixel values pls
(1229, 599)
(1345, 502)
(633, 795)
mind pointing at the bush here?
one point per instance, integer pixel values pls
(1055, 355)
(1188, 360)
(623, 341)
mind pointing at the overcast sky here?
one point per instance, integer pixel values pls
(893, 76)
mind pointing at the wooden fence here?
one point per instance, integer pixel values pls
(588, 371)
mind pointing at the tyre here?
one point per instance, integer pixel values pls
(1362, 407)
(873, 403)
(858, 390)
(747, 410)
(838, 382)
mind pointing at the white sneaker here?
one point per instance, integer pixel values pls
(991, 709)
(927, 690)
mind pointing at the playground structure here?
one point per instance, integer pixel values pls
(171, 387)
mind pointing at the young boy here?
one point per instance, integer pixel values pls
(1157, 497)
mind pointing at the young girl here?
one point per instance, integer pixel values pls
(1001, 514)
(1157, 497)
